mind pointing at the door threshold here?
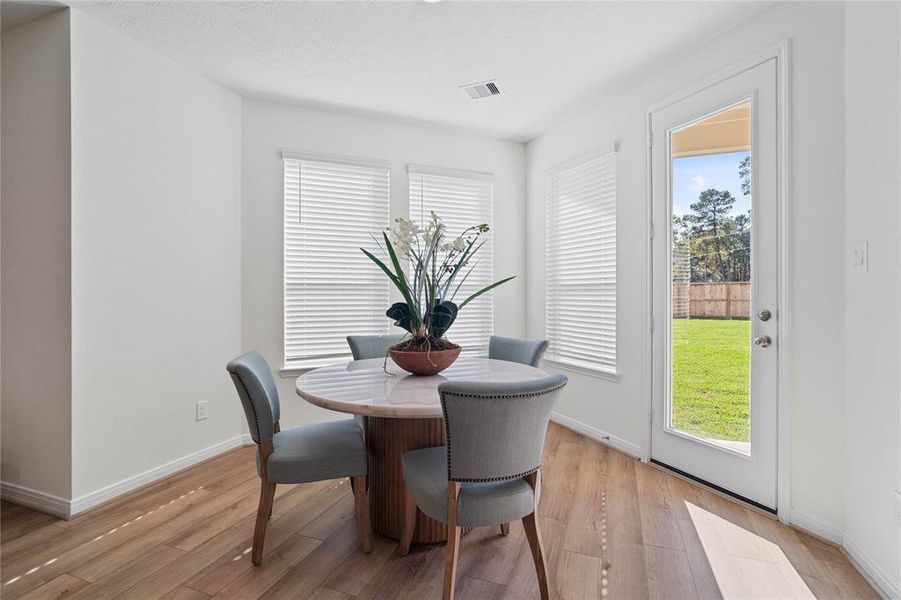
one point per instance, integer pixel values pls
(723, 491)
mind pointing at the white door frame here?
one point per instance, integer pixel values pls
(780, 52)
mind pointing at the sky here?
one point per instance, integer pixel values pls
(694, 174)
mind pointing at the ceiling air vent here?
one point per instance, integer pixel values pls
(484, 89)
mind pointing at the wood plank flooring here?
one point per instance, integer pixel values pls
(612, 526)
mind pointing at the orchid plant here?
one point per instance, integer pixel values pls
(439, 266)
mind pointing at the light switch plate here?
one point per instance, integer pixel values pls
(860, 260)
(201, 410)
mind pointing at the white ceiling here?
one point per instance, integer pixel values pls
(408, 59)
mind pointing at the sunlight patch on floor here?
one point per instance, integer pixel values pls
(103, 535)
(744, 564)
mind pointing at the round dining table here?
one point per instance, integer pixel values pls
(402, 413)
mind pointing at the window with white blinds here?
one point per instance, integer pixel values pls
(581, 264)
(462, 199)
(332, 208)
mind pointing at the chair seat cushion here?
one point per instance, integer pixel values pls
(480, 504)
(317, 452)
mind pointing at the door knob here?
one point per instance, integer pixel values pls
(763, 341)
(764, 315)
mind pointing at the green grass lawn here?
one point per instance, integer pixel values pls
(711, 378)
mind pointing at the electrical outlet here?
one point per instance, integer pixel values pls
(202, 409)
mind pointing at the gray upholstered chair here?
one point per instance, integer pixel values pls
(490, 471)
(308, 453)
(371, 346)
(527, 352)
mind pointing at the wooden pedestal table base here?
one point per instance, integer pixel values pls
(388, 440)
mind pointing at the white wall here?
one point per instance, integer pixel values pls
(156, 257)
(269, 127)
(816, 376)
(873, 301)
(35, 256)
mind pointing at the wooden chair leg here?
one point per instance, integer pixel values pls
(267, 494)
(453, 540)
(533, 534)
(409, 524)
(361, 508)
(530, 523)
(505, 529)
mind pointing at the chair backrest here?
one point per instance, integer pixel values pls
(496, 431)
(527, 352)
(371, 346)
(258, 392)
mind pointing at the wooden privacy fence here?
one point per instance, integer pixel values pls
(731, 300)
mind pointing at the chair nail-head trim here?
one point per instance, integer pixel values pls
(258, 392)
(495, 431)
(239, 385)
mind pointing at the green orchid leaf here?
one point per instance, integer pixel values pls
(402, 315)
(487, 288)
(404, 284)
(438, 270)
(399, 282)
(381, 265)
(443, 316)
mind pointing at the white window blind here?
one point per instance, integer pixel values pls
(332, 208)
(581, 264)
(461, 199)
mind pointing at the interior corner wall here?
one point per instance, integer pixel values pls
(816, 381)
(156, 259)
(34, 308)
(270, 127)
(873, 297)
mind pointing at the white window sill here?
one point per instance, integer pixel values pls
(296, 369)
(287, 372)
(595, 372)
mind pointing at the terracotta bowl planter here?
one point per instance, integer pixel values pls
(425, 363)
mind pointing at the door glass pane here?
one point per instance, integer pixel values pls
(710, 163)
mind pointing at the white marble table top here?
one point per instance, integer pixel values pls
(362, 387)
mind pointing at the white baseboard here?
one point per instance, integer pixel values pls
(596, 434)
(879, 579)
(815, 525)
(66, 509)
(40, 501)
(109, 492)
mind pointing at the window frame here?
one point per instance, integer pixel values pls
(294, 366)
(600, 370)
(483, 178)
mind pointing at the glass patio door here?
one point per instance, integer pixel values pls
(715, 285)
